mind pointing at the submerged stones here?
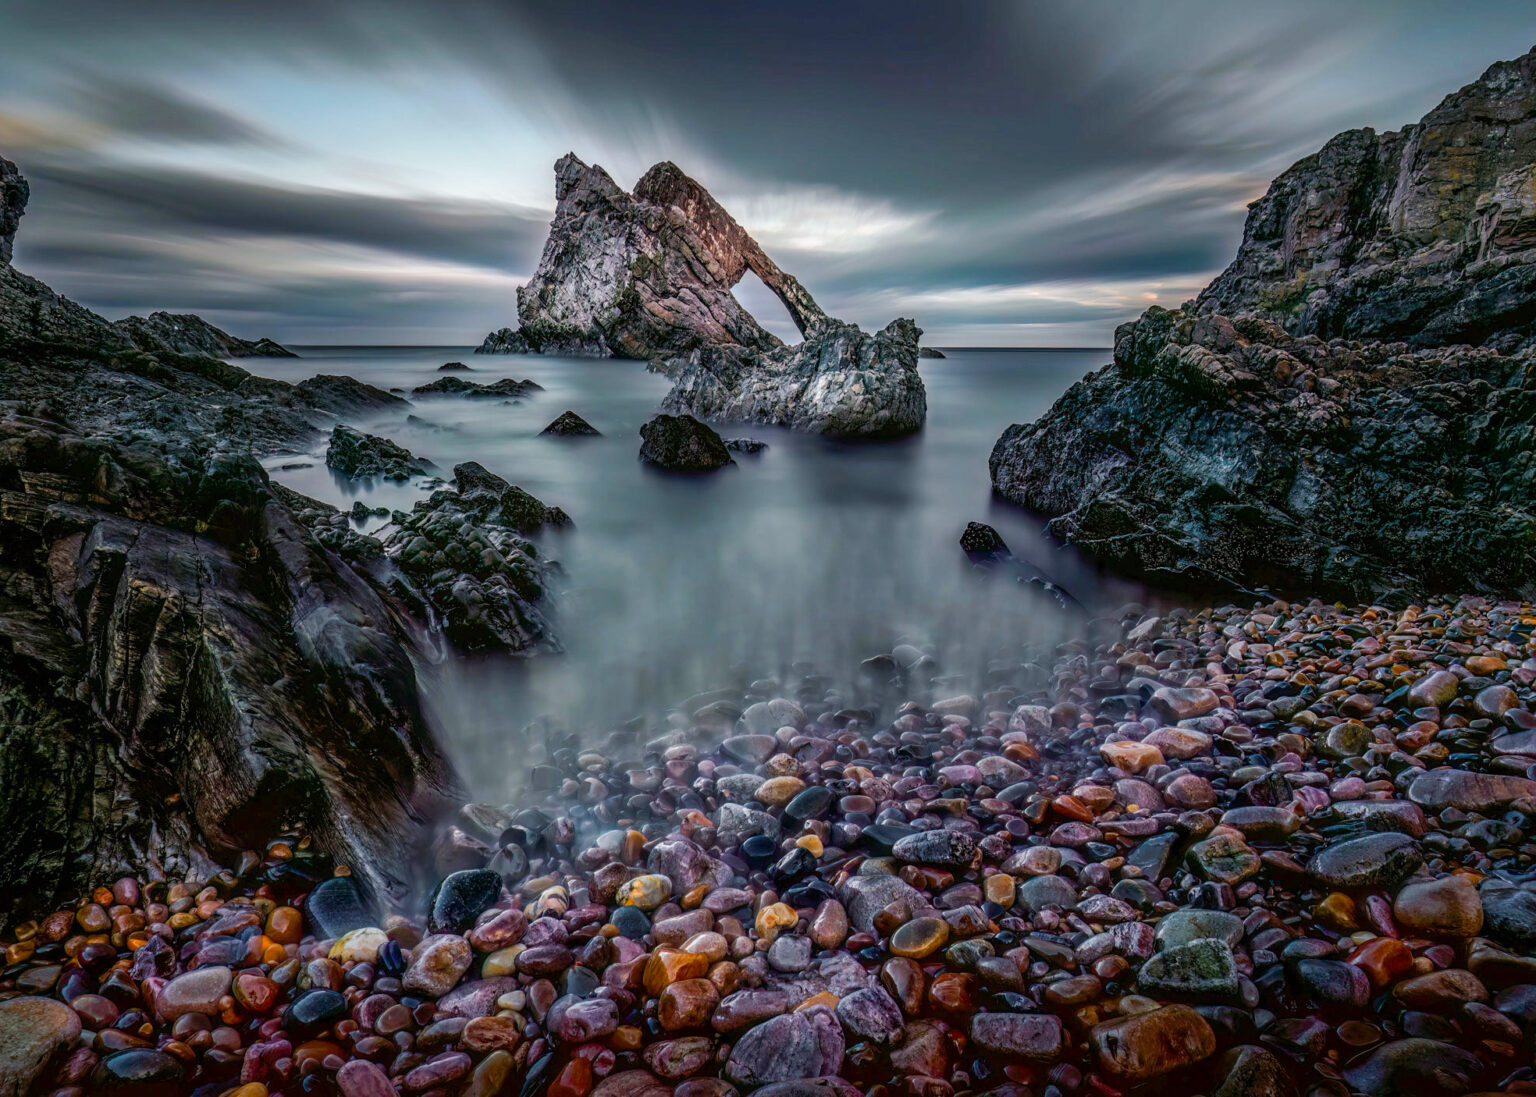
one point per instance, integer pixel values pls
(680, 443)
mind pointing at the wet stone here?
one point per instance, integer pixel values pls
(1201, 971)
(939, 848)
(460, 898)
(1029, 1036)
(1376, 860)
(1150, 1045)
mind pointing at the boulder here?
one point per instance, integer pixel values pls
(355, 454)
(680, 443)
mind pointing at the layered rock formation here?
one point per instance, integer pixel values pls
(192, 657)
(649, 274)
(643, 275)
(180, 656)
(1348, 410)
(1426, 234)
(356, 454)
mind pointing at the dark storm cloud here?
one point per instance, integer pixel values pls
(478, 233)
(161, 113)
(1087, 146)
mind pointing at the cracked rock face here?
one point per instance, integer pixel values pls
(1426, 234)
(648, 275)
(1347, 410)
(13, 203)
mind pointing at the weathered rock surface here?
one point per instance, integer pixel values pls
(188, 334)
(468, 555)
(214, 648)
(194, 654)
(1345, 410)
(353, 453)
(648, 275)
(643, 275)
(840, 381)
(13, 203)
(682, 444)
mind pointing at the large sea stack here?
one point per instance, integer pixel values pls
(1348, 409)
(648, 274)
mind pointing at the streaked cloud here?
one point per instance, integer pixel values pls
(1005, 172)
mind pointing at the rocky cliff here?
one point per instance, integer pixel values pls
(1426, 234)
(1350, 408)
(191, 655)
(648, 275)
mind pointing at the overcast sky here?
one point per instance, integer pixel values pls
(380, 172)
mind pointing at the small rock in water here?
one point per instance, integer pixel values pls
(681, 443)
(570, 425)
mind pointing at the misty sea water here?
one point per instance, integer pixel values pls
(812, 554)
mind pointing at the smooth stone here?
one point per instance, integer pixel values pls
(1033, 1037)
(460, 898)
(196, 991)
(1438, 789)
(1184, 704)
(920, 938)
(440, 961)
(1148, 1045)
(1180, 927)
(138, 1072)
(870, 1014)
(1416, 1066)
(361, 1078)
(1434, 690)
(1447, 907)
(1376, 860)
(314, 1011)
(937, 848)
(804, 1044)
(32, 1032)
(1509, 914)
(866, 896)
(1203, 970)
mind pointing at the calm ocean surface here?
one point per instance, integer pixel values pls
(811, 554)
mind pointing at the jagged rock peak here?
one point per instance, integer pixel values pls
(13, 203)
(646, 274)
(1425, 234)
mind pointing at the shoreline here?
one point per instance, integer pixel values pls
(1233, 852)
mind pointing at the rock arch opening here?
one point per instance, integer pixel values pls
(765, 306)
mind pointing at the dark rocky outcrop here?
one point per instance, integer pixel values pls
(191, 656)
(458, 386)
(454, 367)
(648, 275)
(1426, 234)
(745, 445)
(353, 453)
(179, 655)
(1348, 410)
(931, 352)
(570, 425)
(13, 203)
(681, 443)
(188, 334)
(467, 552)
(340, 396)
